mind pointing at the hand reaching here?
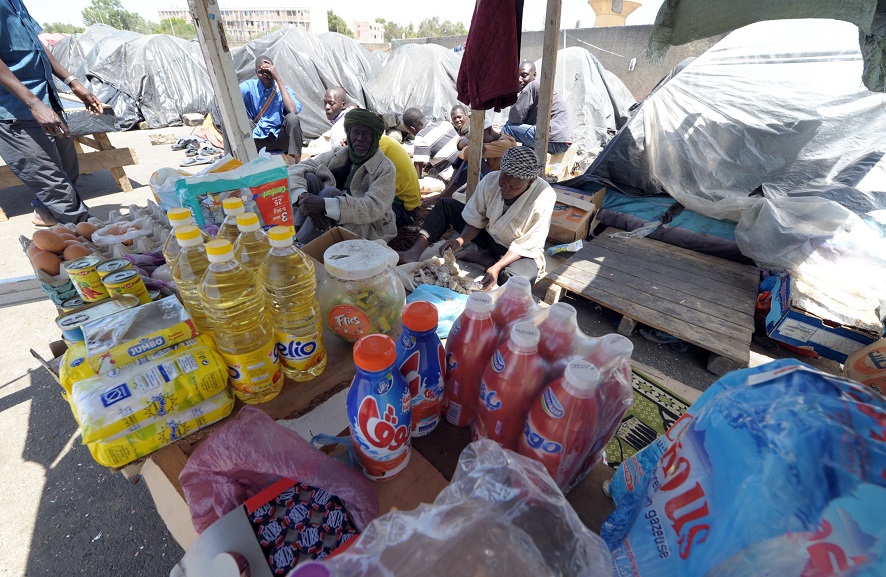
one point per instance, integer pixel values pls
(49, 121)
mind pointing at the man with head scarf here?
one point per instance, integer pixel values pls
(351, 186)
(508, 218)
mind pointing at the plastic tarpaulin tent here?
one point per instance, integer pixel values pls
(308, 65)
(163, 75)
(420, 76)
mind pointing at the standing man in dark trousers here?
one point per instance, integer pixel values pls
(273, 110)
(34, 140)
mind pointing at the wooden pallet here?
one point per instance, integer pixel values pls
(701, 299)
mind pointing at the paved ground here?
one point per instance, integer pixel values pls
(65, 514)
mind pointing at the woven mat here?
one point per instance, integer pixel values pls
(655, 409)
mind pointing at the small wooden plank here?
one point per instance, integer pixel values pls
(653, 299)
(90, 142)
(102, 142)
(553, 294)
(720, 365)
(680, 258)
(546, 82)
(475, 150)
(626, 326)
(738, 311)
(171, 460)
(737, 349)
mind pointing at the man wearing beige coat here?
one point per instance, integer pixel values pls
(352, 186)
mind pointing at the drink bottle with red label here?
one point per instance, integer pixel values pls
(514, 302)
(613, 357)
(560, 429)
(379, 409)
(510, 383)
(558, 332)
(471, 342)
(420, 361)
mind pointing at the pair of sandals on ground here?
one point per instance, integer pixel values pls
(198, 151)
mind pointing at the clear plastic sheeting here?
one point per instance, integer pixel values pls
(502, 514)
(309, 65)
(420, 76)
(166, 76)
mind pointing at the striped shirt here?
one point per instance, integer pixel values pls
(437, 144)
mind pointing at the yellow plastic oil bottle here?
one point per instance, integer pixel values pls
(235, 305)
(287, 276)
(177, 217)
(187, 271)
(252, 245)
(228, 230)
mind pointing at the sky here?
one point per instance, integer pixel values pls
(401, 11)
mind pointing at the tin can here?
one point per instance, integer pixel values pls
(127, 282)
(87, 282)
(155, 295)
(73, 304)
(105, 268)
(71, 322)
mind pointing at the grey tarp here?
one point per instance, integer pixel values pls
(417, 75)
(307, 65)
(164, 76)
(682, 21)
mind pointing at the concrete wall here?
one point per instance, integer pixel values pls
(614, 47)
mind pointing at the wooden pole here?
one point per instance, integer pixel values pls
(546, 90)
(475, 150)
(220, 66)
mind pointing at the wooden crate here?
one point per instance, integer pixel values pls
(701, 299)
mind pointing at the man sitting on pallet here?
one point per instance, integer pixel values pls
(508, 218)
(524, 114)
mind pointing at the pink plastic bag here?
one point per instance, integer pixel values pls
(250, 453)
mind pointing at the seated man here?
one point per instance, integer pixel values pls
(459, 117)
(524, 114)
(507, 217)
(435, 144)
(407, 194)
(351, 186)
(273, 110)
(494, 146)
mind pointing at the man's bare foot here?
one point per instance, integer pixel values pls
(290, 159)
(409, 256)
(484, 258)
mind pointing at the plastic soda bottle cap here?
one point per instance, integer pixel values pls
(525, 335)
(233, 206)
(188, 235)
(280, 236)
(582, 375)
(219, 250)
(374, 353)
(248, 222)
(480, 303)
(420, 316)
(518, 284)
(179, 217)
(562, 311)
(615, 344)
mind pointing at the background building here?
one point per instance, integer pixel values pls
(243, 23)
(368, 32)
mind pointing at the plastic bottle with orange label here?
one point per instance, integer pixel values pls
(379, 409)
(235, 305)
(420, 359)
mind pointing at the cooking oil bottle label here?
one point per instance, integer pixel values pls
(255, 371)
(301, 352)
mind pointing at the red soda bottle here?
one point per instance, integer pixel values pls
(514, 302)
(471, 342)
(613, 356)
(559, 430)
(558, 332)
(510, 384)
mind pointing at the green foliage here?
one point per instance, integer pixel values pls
(62, 28)
(337, 24)
(175, 27)
(112, 13)
(433, 28)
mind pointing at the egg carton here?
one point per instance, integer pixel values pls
(150, 217)
(58, 288)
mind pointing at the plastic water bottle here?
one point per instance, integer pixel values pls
(235, 305)
(287, 276)
(514, 302)
(472, 340)
(178, 217)
(560, 429)
(187, 271)
(379, 409)
(252, 245)
(232, 206)
(510, 383)
(420, 359)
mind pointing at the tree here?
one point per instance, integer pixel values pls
(112, 13)
(62, 28)
(336, 24)
(175, 27)
(433, 28)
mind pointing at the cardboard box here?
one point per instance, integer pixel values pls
(318, 246)
(788, 321)
(868, 366)
(574, 214)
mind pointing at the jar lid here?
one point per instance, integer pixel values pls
(375, 353)
(355, 259)
(420, 316)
